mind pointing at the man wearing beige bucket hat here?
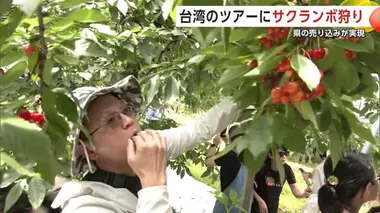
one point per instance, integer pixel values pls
(125, 170)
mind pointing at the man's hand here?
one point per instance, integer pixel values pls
(307, 192)
(147, 156)
(216, 140)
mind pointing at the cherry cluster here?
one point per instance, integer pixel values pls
(37, 118)
(274, 36)
(295, 90)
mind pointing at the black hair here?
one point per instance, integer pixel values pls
(353, 172)
(282, 147)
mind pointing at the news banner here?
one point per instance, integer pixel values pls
(307, 21)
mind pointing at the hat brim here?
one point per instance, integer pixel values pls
(127, 89)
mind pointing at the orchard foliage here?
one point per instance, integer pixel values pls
(298, 92)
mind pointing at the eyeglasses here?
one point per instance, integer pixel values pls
(283, 153)
(114, 119)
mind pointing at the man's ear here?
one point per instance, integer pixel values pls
(92, 155)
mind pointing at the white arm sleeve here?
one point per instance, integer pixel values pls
(212, 122)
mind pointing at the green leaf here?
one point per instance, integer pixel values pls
(232, 73)
(122, 6)
(173, 12)
(33, 63)
(345, 70)
(87, 16)
(8, 177)
(154, 85)
(283, 133)
(13, 74)
(107, 30)
(325, 119)
(26, 140)
(80, 15)
(67, 4)
(84, 47)
(206, 173)
(272, 52)
(36, 192)
(306, 70)
(49, 106)
(368, 42)
(226, 31)
(259, 135)
(233, 196)
(265, 66)
(13, 20)
(167, 7)
(67, 107)
(12, 163)
(47, 74)
(12, 196)
(335, 145)
(66, 59)
(307, 112)
(5, 5)
(280, 166)
(171, 89)
(196, 59)
(358, 128)
(10, 58)
(357, 47)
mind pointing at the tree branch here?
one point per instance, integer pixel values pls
(42, 53)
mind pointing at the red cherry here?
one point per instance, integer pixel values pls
(29, 49)
(288, 73)
(282, 34)
(318, 53)
(276, 30)
(297, 97)
(253, 64)
(319, 90)
(268, 44)
(37, 118)
(24, 114)
(291, 87)
(309, 96)
(285, 99)
(350, 54)
(284, 65)
(276, 93)
(327, 2)
(270, 31)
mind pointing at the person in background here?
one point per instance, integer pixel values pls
(268, 186)
(233, 173)
(318, 179)
(349, 185)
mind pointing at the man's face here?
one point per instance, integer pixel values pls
(111, 139)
